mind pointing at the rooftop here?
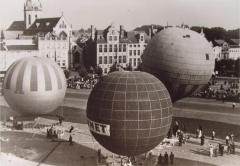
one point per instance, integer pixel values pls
(43, 25)
(21, 47)
(17, 26)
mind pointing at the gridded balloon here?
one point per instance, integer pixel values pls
(181, 58)
(34, 85)
(129, 113)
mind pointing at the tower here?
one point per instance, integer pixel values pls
(32, 11)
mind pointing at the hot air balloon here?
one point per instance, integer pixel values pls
(129, 113)
(181, 58)
(34, 85)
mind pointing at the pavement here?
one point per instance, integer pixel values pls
(31, 147)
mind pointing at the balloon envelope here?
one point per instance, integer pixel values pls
(34, 85)
(129, 113)
(181, 58)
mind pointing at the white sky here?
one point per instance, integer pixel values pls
(131, 13)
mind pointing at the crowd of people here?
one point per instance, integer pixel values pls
(82, 82)
(165, 159)
(214, 150)
(221, 89)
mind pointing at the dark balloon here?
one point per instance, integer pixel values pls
(129, 113)
(34, 86)
(181, 58)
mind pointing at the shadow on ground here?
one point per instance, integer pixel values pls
(39, 149)
(221, 129)
(70, 114)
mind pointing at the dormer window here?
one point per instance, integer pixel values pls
(207, 56)
(47, 23)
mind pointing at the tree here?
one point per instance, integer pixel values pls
(99, 70)
(113, 68)
(129, 67)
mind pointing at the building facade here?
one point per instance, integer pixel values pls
(226, 49)
(36, 36)
(118, 46)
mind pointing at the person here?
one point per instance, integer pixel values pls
(70, 140)
(51, 132)
(71, 129)
(160, 159)
(166, 158)
(232, 137)
(213, 135)
(211, 150)
(233, 148)
(48, 136)
(227, 140)
(180, 138)
(169, 134)
(200, 133)
(128, 163)
(175, 128)
(202, 139)
(197, 132)
(171, 157)
(233, 105)
(99, 155)
(228, 149)
(221, 148)
(60, 119)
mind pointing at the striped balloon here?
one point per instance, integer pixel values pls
(34, 85)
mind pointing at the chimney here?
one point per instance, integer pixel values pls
(121, 35)
(92, 32)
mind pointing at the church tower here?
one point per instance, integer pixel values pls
(32, 11)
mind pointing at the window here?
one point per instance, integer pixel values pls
(135, 45)
(130, 61)
(100, 48)
(29, 19)
(115, 48)
(110, 59)
(120, 59)
(110, 48)
(139, 60)
(120, 48)
(124, 47)
(141, 38)
(139, 52)
(130, 52)
(36, 16)
(130, 45)
(134, 52)
(138, 45)
(115, 38)
(63, 62)
(110, 38)
(124, 59)
(105, 60)
(207, 56)
(105, 47)
(135, 62)
(100, 60)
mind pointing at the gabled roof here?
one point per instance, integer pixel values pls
(17, 26)
(236, 41)
(43, 25)
(218, 42)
